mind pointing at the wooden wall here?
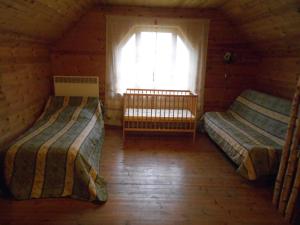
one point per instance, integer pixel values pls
(24, 83)
(46, 20)
(278, 75)
(81, 51)
(273, 29)
(224, 82)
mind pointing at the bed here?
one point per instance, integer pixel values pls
(160, 111)
(59, 155)
(251, 132)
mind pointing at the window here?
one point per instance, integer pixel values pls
(150, 52)
(151, 59)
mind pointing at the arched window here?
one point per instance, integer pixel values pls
(154, 59)
(158, 53)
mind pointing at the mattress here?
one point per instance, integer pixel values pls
(158, 113)
(60, 155)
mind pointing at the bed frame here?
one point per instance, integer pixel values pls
(160, 111)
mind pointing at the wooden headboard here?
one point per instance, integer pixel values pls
(76, 86)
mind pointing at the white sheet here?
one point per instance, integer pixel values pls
(159, 113)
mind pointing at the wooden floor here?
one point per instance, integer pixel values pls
(158, 180)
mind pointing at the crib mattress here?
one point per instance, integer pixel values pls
(169, 114)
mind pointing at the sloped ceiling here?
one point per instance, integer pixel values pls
(272, 26)
(169, 3)
(41, 19)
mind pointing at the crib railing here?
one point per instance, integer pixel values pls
(159, 110)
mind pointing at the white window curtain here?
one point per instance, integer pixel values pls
(145, 52)
(155, 58)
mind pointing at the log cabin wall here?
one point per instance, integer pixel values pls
(27, 29)
(24, 83)
(278, 75)
(273, 29)
(81, 51)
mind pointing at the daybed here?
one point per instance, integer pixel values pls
(59, 156)
(251, 132)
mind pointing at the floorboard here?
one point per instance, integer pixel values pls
(158, 180)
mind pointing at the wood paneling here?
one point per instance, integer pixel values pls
(170, 3)
(24, 83)
(43, 19)
(82, 51)
(272, 26)
(157, 180)
(278, 75)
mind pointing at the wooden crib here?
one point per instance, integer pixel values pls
(160, 111)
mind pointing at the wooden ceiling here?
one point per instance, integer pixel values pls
(272, 26)
(170, 3)
(41, 19)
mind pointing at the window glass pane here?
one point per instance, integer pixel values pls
(154, 60)
(182, 65)
(164, 59)
(146, 58)
(127, 66)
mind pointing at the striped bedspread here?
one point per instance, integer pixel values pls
(60, 155)
(251, 132)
